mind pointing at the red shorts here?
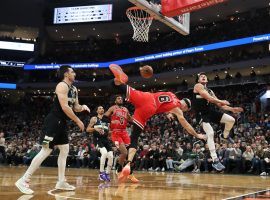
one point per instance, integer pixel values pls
(145, 105)
(120, 137)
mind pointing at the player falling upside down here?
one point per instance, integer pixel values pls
(148, 104)
(119, 119)
(99, 126)
(55, 130)
(203, 100)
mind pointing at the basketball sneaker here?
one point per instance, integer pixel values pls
(133, 178)
(102, 176)
(217, 165)
(108, 177)
(23, 186)
(63, 185)
(118, 73)
(126, 169)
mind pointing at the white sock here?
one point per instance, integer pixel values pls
(103, 157)
(62, 160)
(36, 162)
(229, 122)
(210, 139)
(110, 162)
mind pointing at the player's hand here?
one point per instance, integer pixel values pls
(237, 110)
(85, 108)
(81, 125)
(170, 116)
(201, 136)
(225, 103)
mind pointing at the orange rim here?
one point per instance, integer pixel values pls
(134, 8)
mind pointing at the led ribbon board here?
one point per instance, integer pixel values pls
(162, 55)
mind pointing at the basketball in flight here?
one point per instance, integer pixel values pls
(146, 71)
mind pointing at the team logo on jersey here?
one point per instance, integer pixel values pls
(164, 98)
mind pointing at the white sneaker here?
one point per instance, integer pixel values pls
(163, 169)
(157, 169)
(150, 169)
(23, 186)
(64, 186)
(263, 174)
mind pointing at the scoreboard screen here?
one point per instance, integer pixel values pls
(80, 14)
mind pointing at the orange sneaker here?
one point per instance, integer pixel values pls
(118, 73)
(133, 178)
(121, 177)
(126, 170)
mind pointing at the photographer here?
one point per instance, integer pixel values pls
(2, 146)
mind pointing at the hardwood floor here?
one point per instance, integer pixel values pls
(164, 186)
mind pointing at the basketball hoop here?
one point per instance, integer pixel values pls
(141, 22)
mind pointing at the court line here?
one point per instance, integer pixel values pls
(238, 196)
(57, 195)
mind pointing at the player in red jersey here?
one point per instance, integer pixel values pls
(119, 119)
(148, 104)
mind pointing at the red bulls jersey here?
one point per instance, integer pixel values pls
(166, 101)
(119, 118)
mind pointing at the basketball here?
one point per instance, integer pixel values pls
(146, 71)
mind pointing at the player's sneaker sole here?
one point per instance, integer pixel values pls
(118, 73)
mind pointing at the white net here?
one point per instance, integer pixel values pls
(141, 22)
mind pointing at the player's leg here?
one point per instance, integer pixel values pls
(23, 183)
(61, 162)
(50, 129)
(103, 151)
(211, 144)
(229, 122)
(108, 146)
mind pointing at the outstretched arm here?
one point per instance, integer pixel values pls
(229, 108)
(213, 99)
(179, 114)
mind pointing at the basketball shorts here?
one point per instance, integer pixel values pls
(120, 137)
(56, 128)
(208, 116)
(144, 103)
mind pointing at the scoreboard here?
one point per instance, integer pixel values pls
(80, 14)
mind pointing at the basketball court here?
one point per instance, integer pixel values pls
(152, 185)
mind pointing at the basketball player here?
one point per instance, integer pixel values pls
(55, 130)
(146, 105)
(99, 126)
(119, 119)
(203, 100)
